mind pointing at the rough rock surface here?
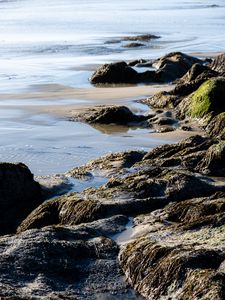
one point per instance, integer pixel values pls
(62, 263)
(173, 66)
(216, 127)
(218, 64)
(112, 114)
(177, 246)
(168, 68)
(198, 94)
(118, 72)
(19, 195)
(163, 175)
(180, 253)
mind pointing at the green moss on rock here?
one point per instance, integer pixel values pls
(209, 97)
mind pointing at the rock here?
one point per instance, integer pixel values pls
(173, 66)
(61, 263)
(135, 62)
(162, 100)
(209, 97)
(168, 68)
(20, 194)
(142, 37)
(218, 64)
(134, 45)
(178, 252)
(192, 80)
(118, 72)
(214, 160)
(216, 127)
(109, 165)
(120, 115)
(140, 192)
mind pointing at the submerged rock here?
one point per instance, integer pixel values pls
(134, 45)
(20, 194)
(141, 37)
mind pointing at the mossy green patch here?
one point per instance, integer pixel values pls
(201, 100)
(209, 97)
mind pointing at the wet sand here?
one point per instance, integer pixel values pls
(35, 129)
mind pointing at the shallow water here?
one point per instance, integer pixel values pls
(49, 144)
(48, 41)
(60, 42)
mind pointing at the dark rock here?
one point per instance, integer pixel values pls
(192, 80)
(169, 68)
(134, 45)
(180, 254)
(118, 72)
(163, 100)
(109, 165)
(142, 37)
(20, 194)
(173, 66)
(61, 263)
(120, 115)
(214, 160)
(135, 62)
(216, 127)
(218, 64)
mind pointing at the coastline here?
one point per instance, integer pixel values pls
(137, 213)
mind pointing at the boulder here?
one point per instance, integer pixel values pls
(61, 263)
(141, 37)
(213, 162)
(218, 64)
(168, 68)
(192, 80)
(134, 45)
(178, 252)
(208, 98)
(173, 66)
(105, 114)
(216, 127)
(118, 72)
(19, 195)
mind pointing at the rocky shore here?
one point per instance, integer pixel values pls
(168, 203)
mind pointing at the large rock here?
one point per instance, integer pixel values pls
(208, 98)
(173, 66)
(112, 114)
(178, 252)
(118, 72)
(218, 64)
(213, 162)
(216, 127)
(62, 263)
(168, 68)
(19, 195)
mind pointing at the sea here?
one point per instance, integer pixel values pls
(60, 43)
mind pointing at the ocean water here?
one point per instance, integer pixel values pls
(47, 42)
(54, 41)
